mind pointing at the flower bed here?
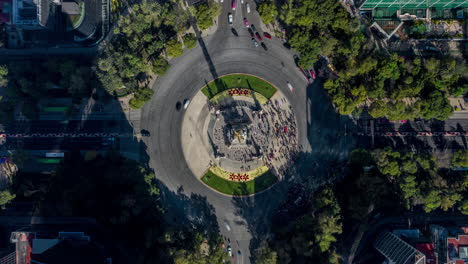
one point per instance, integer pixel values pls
(230, 187)
(239, 81)
(247, 176)
(238, 92)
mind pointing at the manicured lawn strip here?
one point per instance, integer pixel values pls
(239, 188)
(231, 81)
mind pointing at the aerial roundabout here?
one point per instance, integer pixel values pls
(239, 134)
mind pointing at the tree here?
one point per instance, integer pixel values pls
(5, 197)
(267, 11)
(266, 255)
(160, 66)
(3, 75)
(141, 96)
(460, 159)
(190, 41)
(205, 13)
(174, 48)
(436, 106)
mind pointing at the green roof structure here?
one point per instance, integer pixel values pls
(414, 4)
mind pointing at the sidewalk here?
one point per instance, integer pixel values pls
(459, 104)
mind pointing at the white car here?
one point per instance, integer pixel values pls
(290, 87)
(248, 8)
(228, 227)
(186, 103)
(230, 19)
(229, 251)
(242, 1)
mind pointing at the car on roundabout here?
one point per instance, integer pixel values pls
(290, 87)
(186, 103)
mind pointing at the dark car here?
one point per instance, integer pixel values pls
(258, 36)
(263, 46)
(251, 32)
(255, 42)
(253, 27)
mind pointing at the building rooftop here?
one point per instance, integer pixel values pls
(410, 4)
(457, 249)
(428, 249)
(398, 251)
(5, 11)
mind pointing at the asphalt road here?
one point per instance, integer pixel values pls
(225, 53)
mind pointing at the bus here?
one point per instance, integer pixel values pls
(49, 161)
(55, 155)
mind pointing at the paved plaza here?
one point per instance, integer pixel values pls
(246, 135)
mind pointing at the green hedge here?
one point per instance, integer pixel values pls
(239, 188)
(232, 81)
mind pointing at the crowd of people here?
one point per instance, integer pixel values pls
(271, 136)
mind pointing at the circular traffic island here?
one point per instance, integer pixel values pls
(239, 135)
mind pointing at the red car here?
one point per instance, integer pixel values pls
(258, 36)
(312, 73)
(266, 35)
(246, 22)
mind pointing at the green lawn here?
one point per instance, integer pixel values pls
(232, 81)
(239, 188)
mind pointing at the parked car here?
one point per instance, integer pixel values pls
(229, 249)
(248, 8)
(234, 4)
(258, 36)
(267, 35)
(263, 46)
(230, 19)
(251, 32)
(246, 22)
(255, 42)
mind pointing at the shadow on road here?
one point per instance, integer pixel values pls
(331, 136)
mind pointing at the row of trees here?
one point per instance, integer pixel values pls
(144, 40)
(125, 199)
(397, 87)
(392, 86)
(416, 179)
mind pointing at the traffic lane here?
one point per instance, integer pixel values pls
(53, 126)
(423, 125)
(60, 143)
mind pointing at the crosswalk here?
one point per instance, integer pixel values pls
(63, 135)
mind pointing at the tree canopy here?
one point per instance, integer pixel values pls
(137, 49)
